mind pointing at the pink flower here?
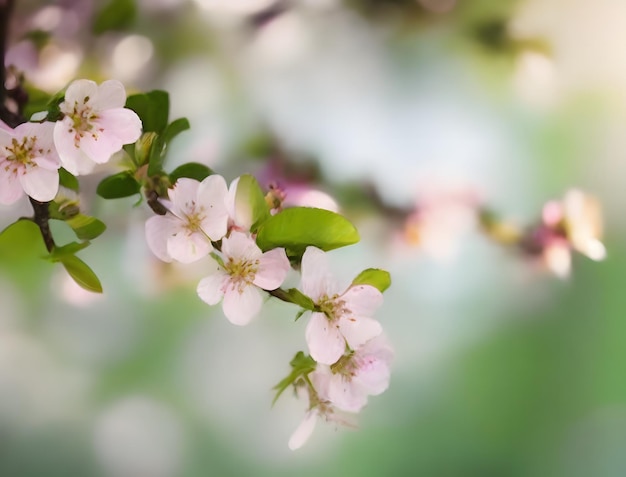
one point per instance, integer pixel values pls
(197, 215)
(28, 163)
(245, 270)
(344, 317)
(95, 126)
(357, 375)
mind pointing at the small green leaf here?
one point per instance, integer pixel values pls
(251, 200)
(66, 179)
(153, 108)
(86, 227)
(192, 170)
(81, 273)
(375, 277)
(174, 128)
(156, 157)
(301, 365)
(116, 15)
(295, 296)
(69, 249)
(119, 185)
(298, 227)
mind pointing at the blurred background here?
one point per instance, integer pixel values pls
(501, 368)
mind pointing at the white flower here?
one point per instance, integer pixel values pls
(197, 215)
(28, 163)
(582, 215)
(95, 126)
(357, 375)
(245, 270)
(345, 316)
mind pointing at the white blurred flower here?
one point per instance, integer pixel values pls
(95, 126)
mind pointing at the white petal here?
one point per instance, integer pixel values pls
(211, 288)
(111, 94)
(303, 431)
(345, 396)
(241, 247)
(158, 230)
(362, 300)
(324, 340)
(273, 268)
(77, 92)
(41, 184)
(10, 188)
(241, 305)
(42, 131)
(212, 195)
(372, 376)
(74, 160)
(121, 125)
(183, 196)
(359, 331)
(316, 277)
(187, 248)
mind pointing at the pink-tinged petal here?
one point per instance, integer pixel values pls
(183, 196)
(122, 125)
(324, 340)
(359, 331)
(81, 91)
(158, 230)
(273, 268)
(362, 300)
(344, 395)
(317, 280)
(42, 131)
(303, 431)
(212, 195)
(47, 162)
(5, 139)
(111, 94)
(187, 248)
(10, 188)
(41, 184)
(372, 376)
(230, 198)
(73, 159)
(211, 288)
(241, 305)
(4, 126)
(99, 147)
(320, 379)
(241, 247)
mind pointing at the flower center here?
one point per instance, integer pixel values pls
(83, 120)
(345, 366)
(21, 153)
(332, 307)
(242, 272)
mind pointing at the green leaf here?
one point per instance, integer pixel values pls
(298, 227)
(81, 273)
(119, 185)
(192, 170)
(66, 179)
(20, 240)
(116, 15)
(153, 108)
(375, 277)
(69, 249)
(295, 296)
(86, 227)
(156, 157)
(301, 365)
(250, 199)
(174, 128)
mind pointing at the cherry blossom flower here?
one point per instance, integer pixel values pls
(197, 215)
(28, 163)
(344, 317)
(357, 375)
(95, 125)
(245, 270)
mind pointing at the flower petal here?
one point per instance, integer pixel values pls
(273, 268)
(211, 288)
(10, 187)
(187, 248)
(344, 395)
(111, 94)
(241, 247)
(316, 277)
(183, 197)
(241, 304)
(74, 160)
(121, 126)
(41, 184)
(324, 340)
(79, 91)
(303, 431)
(158, 230)
(358, 331)
(362, 300)
(372, 376)
(211, 196)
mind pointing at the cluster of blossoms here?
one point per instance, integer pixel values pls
(93, 125)
(350, 358)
